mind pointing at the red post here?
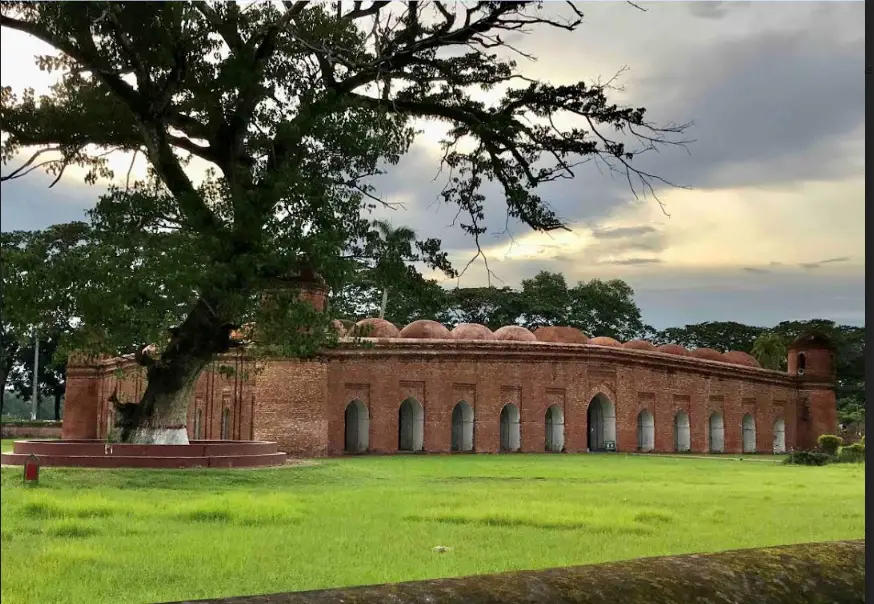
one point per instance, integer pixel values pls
(31, 470)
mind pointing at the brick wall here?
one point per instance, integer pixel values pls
(301, 404)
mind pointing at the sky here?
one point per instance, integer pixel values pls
(770, 223)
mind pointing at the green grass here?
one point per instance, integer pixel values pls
(120, 536)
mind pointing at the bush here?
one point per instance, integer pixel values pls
(829, 444)
(852, 454)
(809, 458)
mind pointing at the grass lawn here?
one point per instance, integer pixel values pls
(119, 536)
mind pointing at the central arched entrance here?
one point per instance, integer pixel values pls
(511, 437)
(716, 433)
(411, 426)
(749, 434)
(601, 424)
(462, 427)
(555, 429)
(682, 432)
(645, 431)
(779, 436)
(357, 427)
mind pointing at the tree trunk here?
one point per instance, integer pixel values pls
(58, 395)
(161, 415)
(384, 303)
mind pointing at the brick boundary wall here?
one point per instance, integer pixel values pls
(811, 573)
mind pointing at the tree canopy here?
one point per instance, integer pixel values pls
(293, 105)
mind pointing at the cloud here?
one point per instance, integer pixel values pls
(633, 261)
(756, 271)
(621, 232)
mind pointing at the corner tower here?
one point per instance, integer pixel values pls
(812, 363)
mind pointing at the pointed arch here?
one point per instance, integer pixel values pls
(748, 426)
(555, 429)
(356, 427)
(226, 424)
(645, 431)
(462, 427)
(411, 426)
(511, 437)
(716, 433)
(601, 423)
(779, 436)
(682, 432)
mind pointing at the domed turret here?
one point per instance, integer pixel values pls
(639, 345)
(374, 328)
(707, 354)
(673, 349)
(605, 341)
(514, 333)
(425, 329)
(812, 357)
(471, 331)
(560, 334)
(736, 357)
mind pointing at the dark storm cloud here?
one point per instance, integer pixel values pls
(757, 100)
(758, 106)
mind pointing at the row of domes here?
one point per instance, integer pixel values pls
(425, 329)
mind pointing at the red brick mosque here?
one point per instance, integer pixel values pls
(425, 388)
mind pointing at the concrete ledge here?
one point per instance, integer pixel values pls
(810, 573)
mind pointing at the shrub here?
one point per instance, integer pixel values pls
(808, 458)
(829, 444)
(852, 454)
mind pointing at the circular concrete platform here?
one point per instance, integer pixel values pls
(99, 454)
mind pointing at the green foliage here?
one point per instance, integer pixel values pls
(769, 350)
(854, 453)
(718, 335)
(809, 458)
(829, 444)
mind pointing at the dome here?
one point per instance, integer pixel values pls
(374, 328)
(514, 333)
(673, 349)
(605, 341)
(425, 329)
(707, 354)
(812, 339)
(639, 345)
(472, 331)
(560, 334)
(736, 357)
(339, 327)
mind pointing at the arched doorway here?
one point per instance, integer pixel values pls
(682, 432)
(555, 429)
(198, 424)
(462, 427)
(357, 427)
(749, 434)
(645, 431)
(226, 424)
(779, 436)
(511, 437)
(716, 432)
(601, 423)
(411, 426)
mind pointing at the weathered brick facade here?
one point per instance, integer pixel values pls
(302, 404)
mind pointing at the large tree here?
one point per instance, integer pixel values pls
(293, 105)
